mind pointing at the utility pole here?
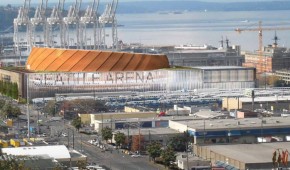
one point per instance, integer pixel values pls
(128, 136)
(38, 130)
(81, 142)
(149, 137)
(68, 139)
(203, 131)
(139, 139)
(253, 97)
(187, 135)
(27, 110)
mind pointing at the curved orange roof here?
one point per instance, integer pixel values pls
(70, 60)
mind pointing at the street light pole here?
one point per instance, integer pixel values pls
(38, 121)
(262, 129)
(203, 131)
(27, 110)
(81, 142)
(68, 139)
(139, 139)
(187, 135)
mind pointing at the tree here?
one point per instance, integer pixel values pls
(50, 108)
(10, 111)
(280, 83)
(2, 103)
(81, 164)
(12, 164)
(15, 91)
(154, 150)
(168, 155)
(77, 123)
(137, 143)
(178, 143)
(107, 133)
(88, 105)
(120, 138)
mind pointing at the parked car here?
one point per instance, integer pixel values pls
(136, 156)
(64, 134)
(43, 135)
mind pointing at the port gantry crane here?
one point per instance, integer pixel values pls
(260, 30)
(90, 18)
(21, 21)
(109, 17)
(72, 19)
(54, 21)
(39, 20)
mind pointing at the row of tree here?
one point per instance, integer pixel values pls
(178, 142)
(8, 110)
(9, 89)
(78, 105)
(167, 154)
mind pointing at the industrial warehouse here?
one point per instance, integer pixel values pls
(52, 71)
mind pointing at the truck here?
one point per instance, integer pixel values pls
(32, 129)
(56, 119)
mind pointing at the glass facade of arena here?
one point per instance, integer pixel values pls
(49, 84)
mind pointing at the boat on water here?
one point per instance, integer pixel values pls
(245, 21)
(194, 47)
(177, 12)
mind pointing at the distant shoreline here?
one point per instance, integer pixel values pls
(178, 5)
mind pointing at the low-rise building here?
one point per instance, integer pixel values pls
(283, 75)
(59, 153)
(150, 122)
(227, 131)
(161, 135)
(275, 104)
(206, 56)
(273, 58)
(242, 156)
(188, 161)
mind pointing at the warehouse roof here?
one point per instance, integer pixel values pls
(72, 60)
(222, 68)
(231, 124)
(146, 131)
(249, 153)
(53, 151)
(265, 99)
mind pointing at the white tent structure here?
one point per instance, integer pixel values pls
(57, 152)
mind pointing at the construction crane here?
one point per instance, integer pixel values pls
(90, 18)
(22, 21)
(109, 17)
(72, 19)
(53, 22)
(39, 20)
(260, 30)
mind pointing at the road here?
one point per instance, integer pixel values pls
(111, 159)
(115, 160)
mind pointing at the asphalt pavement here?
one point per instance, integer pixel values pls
(112, 159)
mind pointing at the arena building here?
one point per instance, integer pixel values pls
(52, 71)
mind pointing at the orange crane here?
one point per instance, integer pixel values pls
(260, 31)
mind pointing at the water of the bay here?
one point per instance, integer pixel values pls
(198, 28)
